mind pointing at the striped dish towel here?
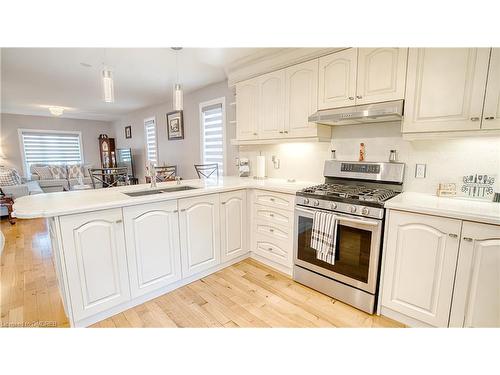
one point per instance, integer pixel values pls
(323, 235)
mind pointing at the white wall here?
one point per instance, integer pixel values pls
(9, 138)
(447, 159)
(183, 153)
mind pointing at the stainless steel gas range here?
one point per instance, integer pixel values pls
(355, 193)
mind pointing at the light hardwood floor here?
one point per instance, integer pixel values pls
(247, 294)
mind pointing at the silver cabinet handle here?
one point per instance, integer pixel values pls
(271, 199)
(270, 248)
(272, 215)
(183, 209)
(286, 131)
(271, 230)
(490, 118)
(453, 235)
(358, 96)
(118, 221)
(222, 202)
(468, 239)
(254, 133)
(474, 118)
(351, 98)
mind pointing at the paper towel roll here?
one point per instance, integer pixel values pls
(260, 167)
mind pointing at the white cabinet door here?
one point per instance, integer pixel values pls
(381, 74)
(200, 233)
(420, 258)
(271, 107)
(445, 89)
(96, 261)
(247, 97)
(476, 296)
(153, 249)
(337, 79)
(234, 228)
(491, 113)
(301, 99)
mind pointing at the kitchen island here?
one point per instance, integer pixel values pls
(119, 247)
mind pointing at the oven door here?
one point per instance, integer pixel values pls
(357, 249)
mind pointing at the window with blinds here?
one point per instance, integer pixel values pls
(151, 143)
(212, 133)
(41, 147)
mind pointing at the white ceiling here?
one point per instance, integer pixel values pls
(33, 79)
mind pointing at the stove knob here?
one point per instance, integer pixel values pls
(353, 209)
(333, 205)
(306, 200)
(316, 202)
(365, 211)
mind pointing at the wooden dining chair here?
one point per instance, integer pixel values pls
(207, 170)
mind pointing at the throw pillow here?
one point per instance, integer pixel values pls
(43, 172)
(9, 176)
(58, 171)
(75, 171)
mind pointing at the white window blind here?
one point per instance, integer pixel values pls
(51, 148)
(213, 135)
(151, 144)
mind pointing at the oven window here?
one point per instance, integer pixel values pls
(352, 253)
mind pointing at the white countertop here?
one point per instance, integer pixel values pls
(458, 208)
(70, 202)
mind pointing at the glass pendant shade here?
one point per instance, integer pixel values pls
(177, 97)
(108, 90)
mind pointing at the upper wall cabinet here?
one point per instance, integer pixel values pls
(247, 96)
(491, 113)
(271, 115)
(361, 75)
(276, 106)
(337, 79)
(301, 99)
(381, 74)
(445, 89)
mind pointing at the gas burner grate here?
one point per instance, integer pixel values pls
(360, 192)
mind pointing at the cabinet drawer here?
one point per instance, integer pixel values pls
(274, 231)
(277, 200)
(272, 215)
(273, 249)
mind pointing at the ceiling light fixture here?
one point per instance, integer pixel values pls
(56, 111)
(177, 97)
(108, 89)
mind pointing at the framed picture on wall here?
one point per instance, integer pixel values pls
(175, 125)
(128, 131)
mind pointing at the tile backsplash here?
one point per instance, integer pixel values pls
(447, 160)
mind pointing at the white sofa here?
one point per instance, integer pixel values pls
(59, 184)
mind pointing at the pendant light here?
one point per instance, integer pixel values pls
(177, 92)
(108, 90)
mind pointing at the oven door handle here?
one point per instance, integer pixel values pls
(341, 217)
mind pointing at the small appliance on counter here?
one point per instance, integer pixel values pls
(243, 167)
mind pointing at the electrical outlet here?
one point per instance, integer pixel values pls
(420, 170)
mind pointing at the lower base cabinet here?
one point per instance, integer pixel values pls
(95, 261)
(199, 233)
(233, 221)
(420, 259)
(476, 296)
(153, 248)
(441, 272)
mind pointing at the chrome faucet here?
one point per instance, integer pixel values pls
(178, 180)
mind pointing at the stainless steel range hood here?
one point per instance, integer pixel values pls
(360, 114)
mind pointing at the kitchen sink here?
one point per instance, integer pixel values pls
(159, 191)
